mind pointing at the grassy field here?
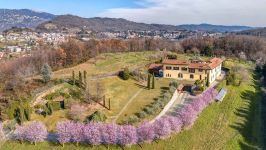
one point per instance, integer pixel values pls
(232, 124)
(108, 63)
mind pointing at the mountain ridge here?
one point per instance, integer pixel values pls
(42, 21)
(23, 18)
(214, 28)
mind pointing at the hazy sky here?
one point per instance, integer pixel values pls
(227, 12)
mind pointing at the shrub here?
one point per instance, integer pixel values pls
(173, 83)
(97, 116)
(141, 114)
(76, 112)
(172, 89)
(2, 135)
(125, 74)
(167, 96)
(148, 110)
(132, 119)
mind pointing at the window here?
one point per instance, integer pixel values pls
(192, 70)
(176, 68)
(200, 70)
(168, 68)
(184, 69)
(191, 76)
(180, 75)
(168, 75)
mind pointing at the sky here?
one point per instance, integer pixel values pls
(175, 12)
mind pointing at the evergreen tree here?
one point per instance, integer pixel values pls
(264, 70)
(46, 73)
(73, 77)
(85, 77)
(153, 80)
(125, 74)
(149, 82)
(80, 78)
(27, 114)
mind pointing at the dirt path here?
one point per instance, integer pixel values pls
(38, 99)
(124, 108)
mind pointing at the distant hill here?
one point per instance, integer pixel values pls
(70, 22)
(261, 32)
(213, 28)
(22, 18)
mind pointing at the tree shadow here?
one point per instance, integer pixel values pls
(246, 126)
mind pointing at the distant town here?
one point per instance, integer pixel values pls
(13, 43)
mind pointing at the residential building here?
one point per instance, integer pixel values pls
(192, 70)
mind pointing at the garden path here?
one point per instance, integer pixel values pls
(39, 97)
(124, 108)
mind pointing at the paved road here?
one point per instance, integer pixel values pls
(176, 100)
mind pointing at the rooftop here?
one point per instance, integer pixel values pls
(210, 64)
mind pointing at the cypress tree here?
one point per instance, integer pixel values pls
(46, 73)
(85, 77)
(73, 77)
(153, 80)
(80, 78)
(27, 114)
(149, 82)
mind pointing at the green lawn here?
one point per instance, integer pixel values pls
(108, 63)
(145, 97)
(232, 124)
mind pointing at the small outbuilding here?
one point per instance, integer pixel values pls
(156, 69)
(221, 95)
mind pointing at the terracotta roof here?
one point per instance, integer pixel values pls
(211, 64)
(199, 66)
(214, 62)
(175, 62)
(154, 66)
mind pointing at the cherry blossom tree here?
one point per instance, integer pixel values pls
(92, 133)
(188, 115)
(145, 132)
(34, 132)
(64, 130)
(19, 133)
(175, 124)
(162, 128)
(109, 133)
(76, 132)
(127, 135)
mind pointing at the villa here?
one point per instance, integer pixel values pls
(192, 70)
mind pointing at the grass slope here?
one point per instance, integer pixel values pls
(232, 124)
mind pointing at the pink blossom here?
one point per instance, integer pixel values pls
(127, 135)
(145, 132)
